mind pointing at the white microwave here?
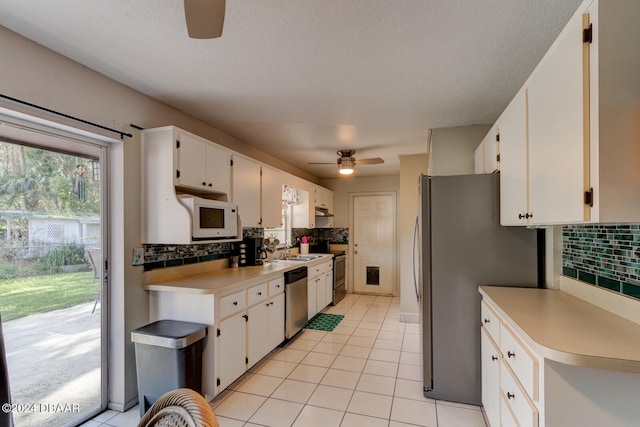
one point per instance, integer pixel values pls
(211, 219)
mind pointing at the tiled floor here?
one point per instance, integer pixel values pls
(366, 372)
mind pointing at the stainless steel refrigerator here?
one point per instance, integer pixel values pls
(462, 246)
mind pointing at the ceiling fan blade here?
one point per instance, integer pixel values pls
(374, 161)
(205, 18)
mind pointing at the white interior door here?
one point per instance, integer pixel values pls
(374, 244)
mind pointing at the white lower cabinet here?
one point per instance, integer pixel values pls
(265, 323)
(319, 287)
(232, 349)
(490, 366)
(509, 374)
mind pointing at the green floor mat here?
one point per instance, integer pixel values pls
(324, 321)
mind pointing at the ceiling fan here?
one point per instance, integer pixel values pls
(205, 18)
(346, 161)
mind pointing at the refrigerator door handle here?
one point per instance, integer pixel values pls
(415, 237)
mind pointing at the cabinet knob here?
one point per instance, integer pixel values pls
(246, 318)
(210, 185)
(510, 354)
(235, 303)
(528, 215)
(510, 395)
(204, 183)
(494, 358)
(271, 302)
(487, 321)
(259, 293)
(267, 304)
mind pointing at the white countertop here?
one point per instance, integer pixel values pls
(227, 279)
(561, 327)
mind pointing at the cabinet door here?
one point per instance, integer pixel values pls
(328, 287)
(276, 321)
(512, 128)
(258, 332)
(490, 368)
(246, 190)
(271, 197)
(218, 172)
(557, 147)
(491, 151)
(192, 162)
(312, 308)
(321, 295)
(232, 349)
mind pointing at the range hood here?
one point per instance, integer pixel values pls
(324, 212)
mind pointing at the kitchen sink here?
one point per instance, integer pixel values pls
(304, 257)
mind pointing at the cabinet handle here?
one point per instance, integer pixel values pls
(267, 304)
(510, 354)
(510, 395)
(210, 185)
(494, 358)
(528, 215)
(246, 318)
(271, 302)
(520, 216)
(487, 321)
(204, 183)
(235, 303)
(278, 286)
(259, 293)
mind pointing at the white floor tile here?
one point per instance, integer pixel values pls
(366, 333)
(313, 416)
(357, 420)
(328, 347)
(335, 338)
(277, 413)
(344, 330)
(375, 326)
(349, 323)
(387, 344)
(308, 373)
(240, 406)
(378, 367)
(361, 341)
(376, 384)
(409, 389)
(410, 372)
(343, 379)
(277, 368)
(262, 385)
(126, 419)
(331, 397)
(397, 327)
(414, 412)
(355, 351)
(453, 416)
(374, 405)
(411, 346)
(290, 355)
(229, 422)
(346, 363)
(391, 335)
(385, 355)
(301, 344)
(294, 391)
(312, 334)
(319, 359)
(408, 358)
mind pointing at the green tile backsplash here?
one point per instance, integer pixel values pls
(603, 255)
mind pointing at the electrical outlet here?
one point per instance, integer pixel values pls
(138, 256)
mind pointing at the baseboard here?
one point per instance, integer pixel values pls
(410, 317)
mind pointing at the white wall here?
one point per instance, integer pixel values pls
(452, 149)
(40, 76)
(344, 186)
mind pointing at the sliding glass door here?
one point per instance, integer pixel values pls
(52, 286)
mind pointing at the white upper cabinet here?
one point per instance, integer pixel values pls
(272, 182)
(557, 141)
(512, 126)
(580, 124)
(201, 165)
(246, 190)
(478, 159)
(491, 151)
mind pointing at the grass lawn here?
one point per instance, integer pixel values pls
(24, 296)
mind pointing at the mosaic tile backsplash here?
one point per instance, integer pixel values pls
(162, 256)
(603, 255)
(331, 235)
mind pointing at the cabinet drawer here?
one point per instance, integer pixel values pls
(490, 321)
(506, 417)
(232, 304)
(256, 294)
(316, 270)
(276, 286)
(516, 398)
(523, 364)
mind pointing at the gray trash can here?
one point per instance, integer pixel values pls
(168, 356)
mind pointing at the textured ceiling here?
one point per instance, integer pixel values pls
(300, 79)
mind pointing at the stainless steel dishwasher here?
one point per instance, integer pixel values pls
(295, 290)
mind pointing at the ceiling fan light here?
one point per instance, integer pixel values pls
(345, 165)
